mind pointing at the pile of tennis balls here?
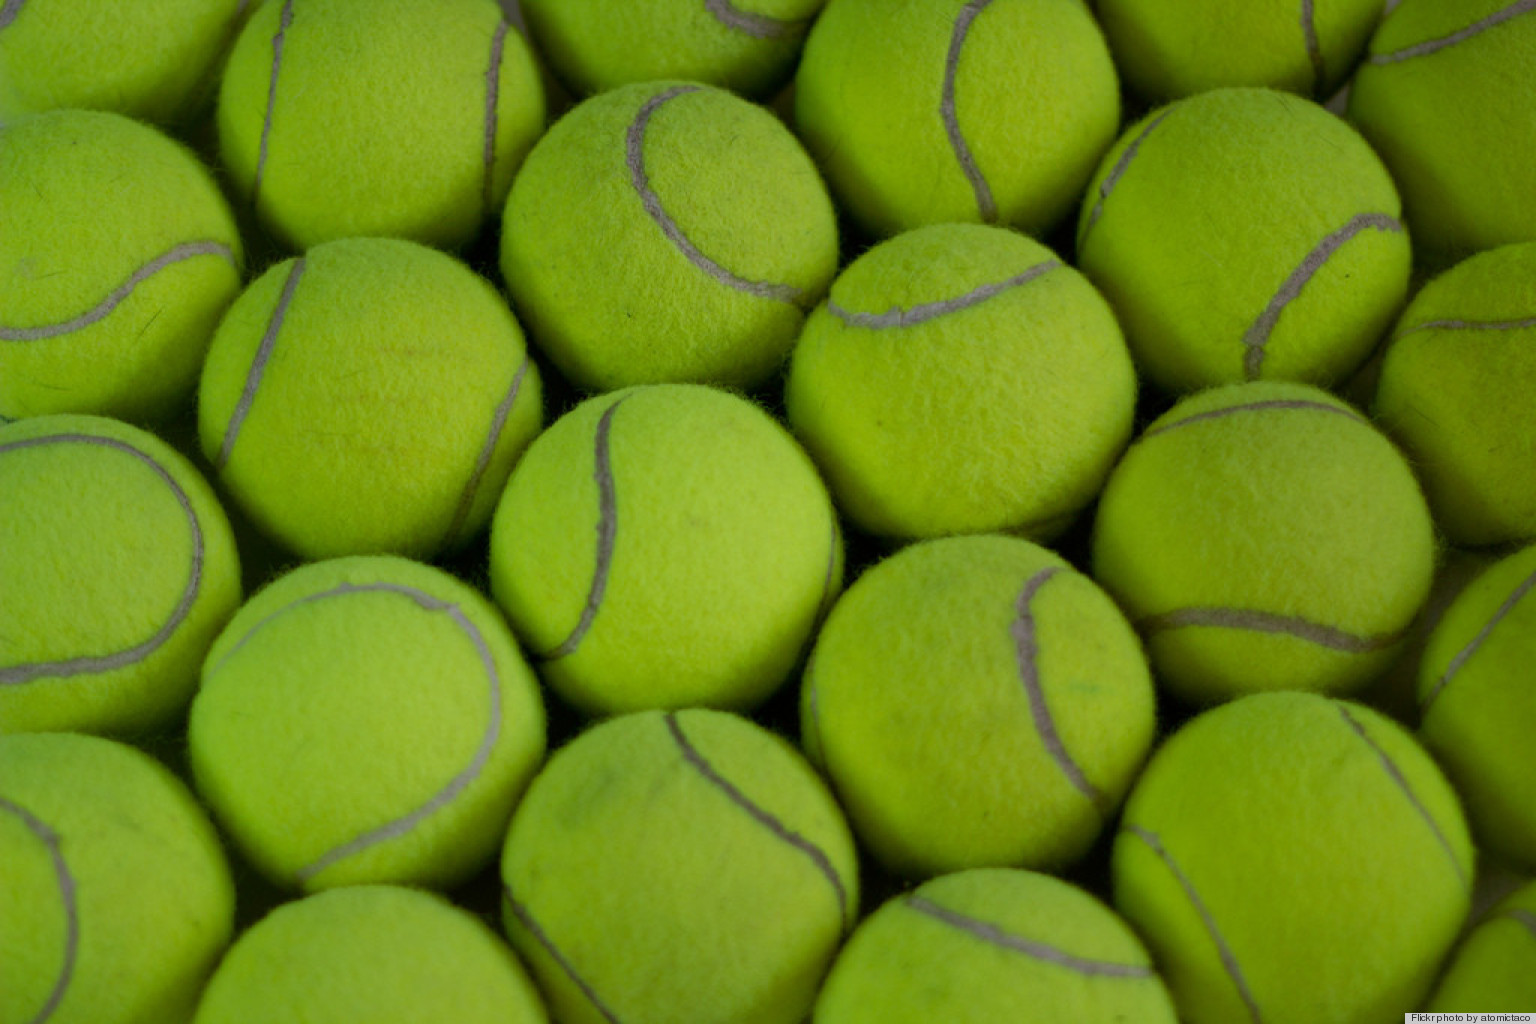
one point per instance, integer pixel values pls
(767, 511)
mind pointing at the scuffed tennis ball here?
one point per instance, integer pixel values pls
(1495, 966)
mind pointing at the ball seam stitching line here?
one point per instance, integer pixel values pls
(1112, 179)
(120, 294)
(259, 364)
(285, 19)
(1476, 643)
(492, 100)
(26, 673)
(1314, 46)
(1468, 325)
(487, 449)
(817, 856)
(759, 26)
(1223, 951)
(1429, 46)
(9, 11)
(1232, 410)
(634, 159)
(526, 919)
(896, 316)
(1522, 917)
(993, 935)
(67, 895)
(985, 204)
(1217, 617)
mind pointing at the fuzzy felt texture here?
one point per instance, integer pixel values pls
(118, 568)
(1494, 970)
(117, 899)
(119, 255)
(992, 945)
(747, 46)
(926, 111)
(371, 952)
(419, 137)
(1002, 643)
(1443, 98)
(1293, 860)
(370, 396)
(675, 868)
(151, 61)
(960, 379)
(665, 546)
(667, 232)
(1168, 50)
(1455, 391)
(366, 719)
(1244, 234)
(1265, 536)
(1479, 703)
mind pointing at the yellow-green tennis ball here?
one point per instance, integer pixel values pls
(366, 719)
(1477, 698)
(117, 899)
(1445, 95)
(926, 111)
(374, 953)
(667, 231)
(1494, 969)
(369, 396)
(118, 256)
(1293, 860)
(153, 60)
(118, 568)
(678, 866)
(962, 378)
(1172, 49)
(1265, 536)
(378, 117)
(1455, 391)
(747, 46)
(665, 546)
(975, 702)
(1244, 234)
(990, 945)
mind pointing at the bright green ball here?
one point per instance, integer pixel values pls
(1494, 969)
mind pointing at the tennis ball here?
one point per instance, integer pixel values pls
(118, 568)
(118, 256)
(1265, 536)
(926, 111)
(1495, 966)
(1244, 234)
(368, 396)
(1455, 391)
(990, 945)
(1478, 703)
(747, 46)
(378, 953)
(961, 378)
(664, 546)
(975, 702)
(154, 61)
(365, 719)
(340, 118)
(1445, 97)
(1168, 50)
(678, 866)
(1290, 858)
(117, 899)
(667, 231)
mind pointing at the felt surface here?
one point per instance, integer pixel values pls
(667, 232)
(1453, 121)
(1455, 391)
(959, 379)
(419, 138)
(1265, 536)
(1226, 230)
(370, 396)
(118, 568)
(119, 255)
(678, 867)
(117, 899)
(365, 719)
(1494, 968)
(377, 953)
(1290, 858)
(664, 546)
(989, 945)
(1032, 94)
(976, 702)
